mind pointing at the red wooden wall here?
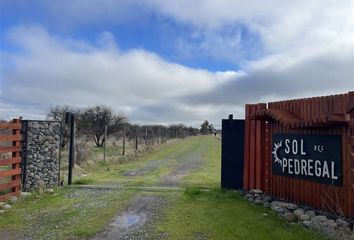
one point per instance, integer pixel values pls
(10, 159)
(318, 115)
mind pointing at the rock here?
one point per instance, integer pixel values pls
(265, 215)
(342, 223)
(2, 211)
(304, 217)
(330, 223)
(251, 200)
(275, 203)
(25, 194)
(319, 219)
(290, 206)
(2, 205)
(306, 224)
(288, 216)
(7, 206)
(249, 195)
(347, 230)
(267, 198)
(49, 190)
(310, 213)
(278, 209)
(256, 191)
(298, 212)
(13, 199)
(266, 204)
(40, 183)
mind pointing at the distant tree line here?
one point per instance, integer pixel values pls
(91, 121)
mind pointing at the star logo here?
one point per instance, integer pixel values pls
(275, 152)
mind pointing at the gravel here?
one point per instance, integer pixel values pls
(148, 209)
(185, 164)
(147, 168)
(86, 192)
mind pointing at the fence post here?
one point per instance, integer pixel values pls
(105, 143)
(123, 151)
(146, 136)
(136, 139)
(70, 119)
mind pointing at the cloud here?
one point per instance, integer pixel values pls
(330, 71)
(280, 50)
(222, 29)
(50, 70)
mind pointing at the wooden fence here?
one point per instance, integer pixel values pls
(329, 115)
(10, 159)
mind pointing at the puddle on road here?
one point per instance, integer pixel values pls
(131, 219)
(127, 220)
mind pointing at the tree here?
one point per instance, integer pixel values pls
(57, 113)
(92, 122)
(206, 128)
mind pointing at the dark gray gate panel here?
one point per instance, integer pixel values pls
(232, 153)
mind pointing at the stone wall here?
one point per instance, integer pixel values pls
(40, 163)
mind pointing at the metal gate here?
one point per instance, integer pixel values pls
(232, 153)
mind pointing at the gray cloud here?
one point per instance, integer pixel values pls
(50, 70)
(307, 49)
(327, 72)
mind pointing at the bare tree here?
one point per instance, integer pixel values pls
(92, 122)
(57, 113)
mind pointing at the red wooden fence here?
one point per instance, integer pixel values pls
(10, 159)
(318, 115)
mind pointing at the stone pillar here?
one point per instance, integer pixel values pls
(40, 163)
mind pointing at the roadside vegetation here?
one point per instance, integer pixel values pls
(218, 214)
(201, 211)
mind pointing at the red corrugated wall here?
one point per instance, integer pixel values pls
(257, 161)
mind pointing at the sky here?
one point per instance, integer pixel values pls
(164, 62)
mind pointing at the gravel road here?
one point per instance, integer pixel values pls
(145, 210)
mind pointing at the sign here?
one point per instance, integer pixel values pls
(314, 157)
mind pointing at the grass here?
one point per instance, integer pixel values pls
(225, 215)
(110, 172)
(208, 175)
(193, 214)
(58, 216)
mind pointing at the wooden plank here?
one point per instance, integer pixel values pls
(4, 138)
(252, 151)
(351, 140)
(16, 132)
(8, 185)
(10, 126)
(246, 150)
(10, 149)
(257, 150)
(12, 172)
(12, 160)
(4, 198)
(351, 123)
